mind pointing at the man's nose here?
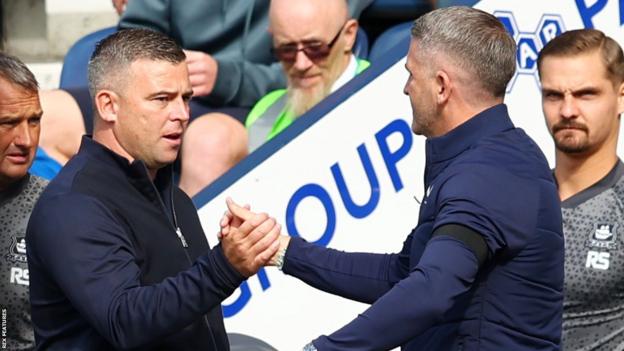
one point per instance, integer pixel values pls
(22, 136)
(302, 61)
(568, 108)
(180, 109)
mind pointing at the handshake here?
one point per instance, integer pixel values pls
(251, 240)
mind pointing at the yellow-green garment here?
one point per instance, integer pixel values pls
(285, 117)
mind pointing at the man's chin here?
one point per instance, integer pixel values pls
(572, 147)
(162, 163)
(12, 173)
(307, 84)
(301, 100)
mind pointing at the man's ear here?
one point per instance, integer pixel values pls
(620, 97)
(350, 32)
(443, 86)
(107, 105)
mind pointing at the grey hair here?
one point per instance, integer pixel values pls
(15, 72)
(114, 55)
(476, 42)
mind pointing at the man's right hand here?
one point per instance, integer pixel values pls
(251, 245)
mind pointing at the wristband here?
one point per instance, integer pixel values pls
(279, 260)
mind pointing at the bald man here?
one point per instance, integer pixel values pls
(313, 41)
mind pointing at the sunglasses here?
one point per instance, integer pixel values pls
(315, 50)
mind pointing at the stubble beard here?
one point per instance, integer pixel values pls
(422, 122)
(569, 141)
(571, 145)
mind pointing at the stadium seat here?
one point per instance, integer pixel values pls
(389, 39)
(397, 9)
(447, 3)
(242, 342)
(360, 48)
(74, 72)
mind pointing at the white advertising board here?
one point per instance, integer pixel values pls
(348, 174)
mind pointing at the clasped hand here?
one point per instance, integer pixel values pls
(249, 240)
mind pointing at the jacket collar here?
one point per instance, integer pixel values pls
(488, 122)
(136, 170)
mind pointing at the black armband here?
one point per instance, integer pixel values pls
(471, 238)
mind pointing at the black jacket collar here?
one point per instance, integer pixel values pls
(491, 121)
(136, 171)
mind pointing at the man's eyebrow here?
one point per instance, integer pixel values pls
(550, 91)
(586, 90)
(9, 118)
(162, 92)
(580, 91)
(304, 41)
(17, 118)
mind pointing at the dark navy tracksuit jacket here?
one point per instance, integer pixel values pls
(487, 178)
(108, 270)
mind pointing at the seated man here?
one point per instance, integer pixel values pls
(62, 127)
(313, 41)
(20, 114)
(314, 67)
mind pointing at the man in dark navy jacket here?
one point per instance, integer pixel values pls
(483, 269)
(117, 255)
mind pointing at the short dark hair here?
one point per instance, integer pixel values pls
(114, 54)
(475, 40)
(582, 41)
(15, 72)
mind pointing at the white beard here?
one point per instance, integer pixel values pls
(302, 100)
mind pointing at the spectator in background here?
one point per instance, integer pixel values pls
(483, 269)
(117, 255)
(20, 116)
(61, 130)
(582, 78)
(313, 41)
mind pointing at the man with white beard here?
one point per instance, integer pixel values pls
(313, 41)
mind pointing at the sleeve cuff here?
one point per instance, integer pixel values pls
(294, 246)
(226, 85)
(227, 274)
